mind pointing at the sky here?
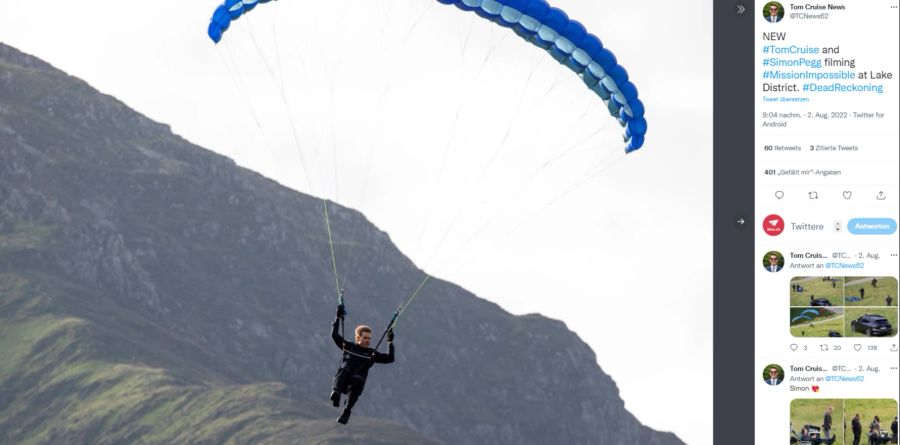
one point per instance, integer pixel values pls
(487, 163)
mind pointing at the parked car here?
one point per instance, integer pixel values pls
(872, 325)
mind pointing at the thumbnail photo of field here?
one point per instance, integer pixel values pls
(870, 322)
(817, 291)
(817, 322)
(870, 291)
(875, 418)
(808, 424)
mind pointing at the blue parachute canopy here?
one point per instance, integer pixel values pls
(544, 26)
(807, 314)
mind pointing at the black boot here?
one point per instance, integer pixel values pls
(345, 416)
(335, 398)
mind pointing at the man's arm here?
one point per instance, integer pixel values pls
(338, 340)
(385, 358)
(389, 357)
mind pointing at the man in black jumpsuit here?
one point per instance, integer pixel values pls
(894, 428)
(356, 360)
(826, 423)
(857, 429)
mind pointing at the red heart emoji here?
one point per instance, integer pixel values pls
(815, 388)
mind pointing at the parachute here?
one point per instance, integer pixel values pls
(546, 27)
(807, 314)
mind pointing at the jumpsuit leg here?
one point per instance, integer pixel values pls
(339, 386)
(356, 388)
(341, 381)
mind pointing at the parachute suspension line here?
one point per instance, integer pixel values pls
(494, 48)
(527, 182)
(277, 80)
(390, 326)
(468, 200)
(401, 309)
(481, 176)
(373, 146)
(592, 173)
(515, 115)
(279, 83)
(437, 180)
(337, 284)
(512, 198)
(450, 138)
(237, 80)
(452, 132)
(370, 155)
(506, 202)
(413, 296)
(417, 20)
(552, 86)
(595, 172)
(262, 56)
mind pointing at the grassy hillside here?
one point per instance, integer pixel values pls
(817, 288)
(874, 295)
(812, 412)
(63, 380)
(829, 319)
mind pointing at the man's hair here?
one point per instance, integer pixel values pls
(362, 328)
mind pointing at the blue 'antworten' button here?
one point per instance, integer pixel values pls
(872, 226)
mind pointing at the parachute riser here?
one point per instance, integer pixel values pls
(389, 326)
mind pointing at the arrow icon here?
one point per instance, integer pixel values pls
(740, 9)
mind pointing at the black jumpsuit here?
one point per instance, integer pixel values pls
(355, 364)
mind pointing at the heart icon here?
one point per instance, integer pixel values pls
(857, 346)
(779, 194)
(847, 194)
(794, 347)
(815, 388)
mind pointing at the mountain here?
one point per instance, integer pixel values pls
(153, 292)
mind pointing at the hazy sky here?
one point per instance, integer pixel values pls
(396, 108)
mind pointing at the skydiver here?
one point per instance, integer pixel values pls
(862, 294)
(356, 360)
(874, 282)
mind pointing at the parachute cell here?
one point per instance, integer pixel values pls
(549, 28)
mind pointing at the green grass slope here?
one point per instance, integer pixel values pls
(61, 384)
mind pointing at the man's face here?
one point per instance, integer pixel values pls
(773, 260)
(773, 373)
(364, 339)
(773, 10)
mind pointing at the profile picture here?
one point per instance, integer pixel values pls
(773, 261)
(773, 374)
(773, 12)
